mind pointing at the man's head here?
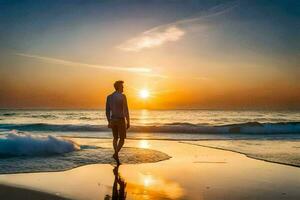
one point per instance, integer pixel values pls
(118, 85)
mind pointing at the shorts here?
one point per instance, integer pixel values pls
(118, 127)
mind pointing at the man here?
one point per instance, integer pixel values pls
(116, 113)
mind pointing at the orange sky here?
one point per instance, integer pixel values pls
(194, 55)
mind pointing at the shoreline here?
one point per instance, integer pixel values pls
(245, 154)
(200, 157)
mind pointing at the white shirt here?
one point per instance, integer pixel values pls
(116, 106)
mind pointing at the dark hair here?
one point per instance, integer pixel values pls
(117, 84)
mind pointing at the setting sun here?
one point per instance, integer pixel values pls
(144, 94)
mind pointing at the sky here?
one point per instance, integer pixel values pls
(187, 54)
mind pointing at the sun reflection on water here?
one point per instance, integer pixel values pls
(144, 144)
(153, 187)
(148, 180)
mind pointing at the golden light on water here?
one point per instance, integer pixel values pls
(148, 180)
(154, 187)
(144, 144)
(144, 93)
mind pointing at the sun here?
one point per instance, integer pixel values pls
(144, 93)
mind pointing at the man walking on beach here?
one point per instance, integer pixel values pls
(116, 113)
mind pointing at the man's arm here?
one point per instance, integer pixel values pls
(107, 110)
(126, 112)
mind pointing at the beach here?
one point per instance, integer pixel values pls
(197, 99)
(191, 172)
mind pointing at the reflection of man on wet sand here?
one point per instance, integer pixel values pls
(121, 193)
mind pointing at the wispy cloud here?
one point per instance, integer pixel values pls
(80, 64)
(153, 39)
(148, 72)
(172, 32)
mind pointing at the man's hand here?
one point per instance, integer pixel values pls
(128, 125)
(109, 125)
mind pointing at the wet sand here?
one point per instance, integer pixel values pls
(276, 151)
(193, 172)
(10, 192)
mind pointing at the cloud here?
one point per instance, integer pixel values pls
(148, 72)
(79, 64)
(152, 39)
(171, 32)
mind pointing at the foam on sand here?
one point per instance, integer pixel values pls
(27, 153)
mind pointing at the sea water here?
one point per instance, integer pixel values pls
(29, 138)
(157, 124)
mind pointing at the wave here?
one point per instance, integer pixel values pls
(45, 116)
(15, 144)
(8, 114)
(250, 127)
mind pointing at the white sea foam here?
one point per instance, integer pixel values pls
(19, 144)
(32, 146)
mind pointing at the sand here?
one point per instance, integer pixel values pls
(193, 172)
(10, 192)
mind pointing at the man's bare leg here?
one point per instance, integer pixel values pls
(117, 147)
(115, 144)
(120, 144)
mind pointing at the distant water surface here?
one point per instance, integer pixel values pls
(149, 117)
(155, 123)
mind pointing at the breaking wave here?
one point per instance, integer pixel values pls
(14, 144)
(250, 127)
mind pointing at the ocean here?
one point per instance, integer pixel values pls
(29, 142)
(157, 124)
